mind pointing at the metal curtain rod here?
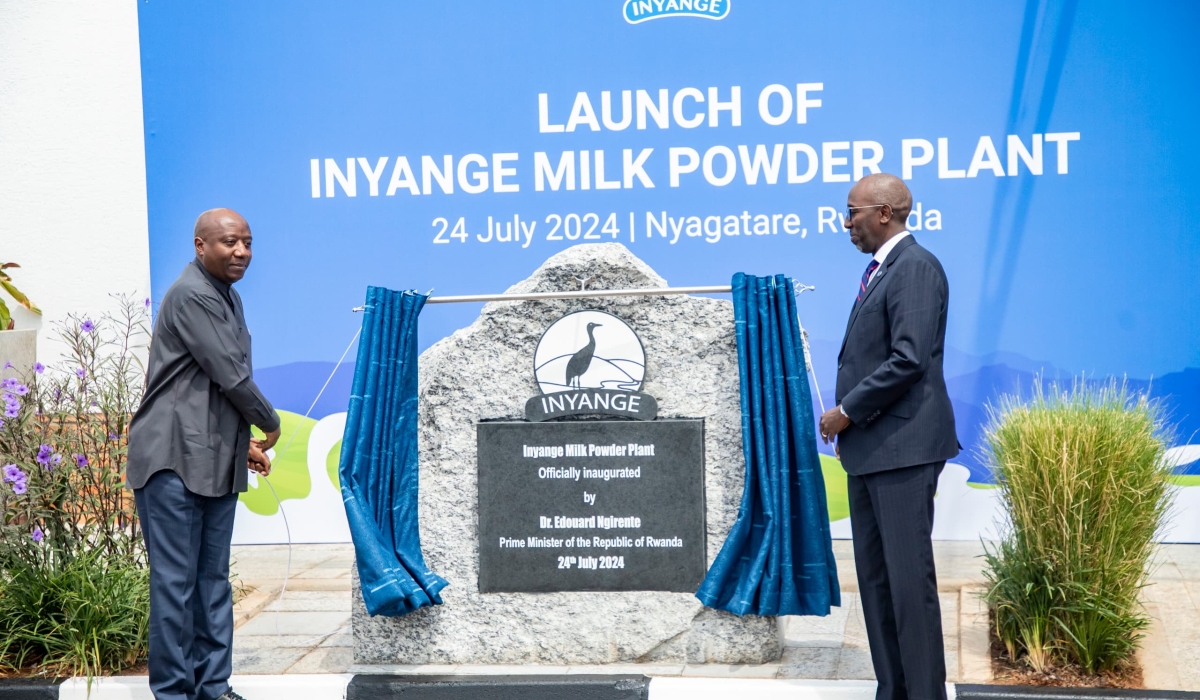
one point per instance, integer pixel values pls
(588, 294)
(582, 294)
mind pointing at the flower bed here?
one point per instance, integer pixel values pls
(74, 588)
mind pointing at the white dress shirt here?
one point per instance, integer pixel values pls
(884, 250)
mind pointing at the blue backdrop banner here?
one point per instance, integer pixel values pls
(379, 468)
(778, 557)
(1049, 145)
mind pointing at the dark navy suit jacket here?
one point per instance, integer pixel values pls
(890, 380)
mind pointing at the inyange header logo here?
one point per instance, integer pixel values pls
(637, 11)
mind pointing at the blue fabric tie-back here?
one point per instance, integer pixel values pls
(778, 558)
(379, 468)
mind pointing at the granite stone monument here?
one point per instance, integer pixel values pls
(484, 374)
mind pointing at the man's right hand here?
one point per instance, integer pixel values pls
(269, 440)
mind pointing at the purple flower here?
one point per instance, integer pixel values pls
(55, 460)
(8, 365)
(8, 384)
(13, 473)
(19, 488)
(10, 411)
(21, 390)
(39, 367)
(147, 302)
(112, 436)
(87, 326)
(43, 455)
(81, 460)
(37, 534)
(79, 372)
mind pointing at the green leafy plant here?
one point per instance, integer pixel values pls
(1085, 490)
(85, 616)
(6, 322)
(74, 589)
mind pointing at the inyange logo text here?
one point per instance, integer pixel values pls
(637, 11)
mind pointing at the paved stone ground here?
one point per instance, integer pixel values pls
(309, 631)
(835, 647)
(1171, 651)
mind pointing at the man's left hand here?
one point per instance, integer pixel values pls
(833, 422)
(258, 460)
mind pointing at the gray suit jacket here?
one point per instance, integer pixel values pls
(200, 397)
(890, 379)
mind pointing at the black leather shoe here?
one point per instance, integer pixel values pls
(230, 695)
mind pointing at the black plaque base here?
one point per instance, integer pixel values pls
(591, 506)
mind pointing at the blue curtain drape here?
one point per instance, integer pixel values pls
(778, 558)
(378, 466)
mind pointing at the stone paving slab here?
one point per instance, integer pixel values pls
(271, 660)
(311, 601)
(295, 623)
(339, 639)
(820, 663)
(818, 631)
(324, 660)
(252, 642)
(974, 638)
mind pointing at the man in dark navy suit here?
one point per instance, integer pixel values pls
(894, 431)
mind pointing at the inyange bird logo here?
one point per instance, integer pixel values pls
(589, 350)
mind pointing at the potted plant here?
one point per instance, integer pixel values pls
(18, 348)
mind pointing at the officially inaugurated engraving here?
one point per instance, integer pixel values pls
(591, 506)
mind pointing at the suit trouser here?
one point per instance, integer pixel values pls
(891, 514)
(191, 602)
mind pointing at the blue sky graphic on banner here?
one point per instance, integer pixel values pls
(1050, 148)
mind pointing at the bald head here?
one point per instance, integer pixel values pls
(222, 240)
(215, 221)
(878, 207)
(882, 188)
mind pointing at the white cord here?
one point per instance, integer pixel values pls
(807, 351)
(808, 363)
(287, 528)
(288, 571)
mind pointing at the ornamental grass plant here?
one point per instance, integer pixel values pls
(74, 587)
(1086, 490)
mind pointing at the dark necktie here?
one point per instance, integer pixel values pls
(862, 286)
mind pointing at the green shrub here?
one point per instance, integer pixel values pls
(74, 589)
(87, 617)
(1085, 490)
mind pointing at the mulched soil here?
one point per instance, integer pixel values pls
(27, 672)
(1005, 671)
(138, 669)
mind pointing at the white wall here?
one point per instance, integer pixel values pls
(72, 157)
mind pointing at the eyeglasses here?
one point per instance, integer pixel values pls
(850, 210)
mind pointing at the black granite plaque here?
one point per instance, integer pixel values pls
(591, 506)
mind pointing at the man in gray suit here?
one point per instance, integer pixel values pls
(189, 447)
(894, 428)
